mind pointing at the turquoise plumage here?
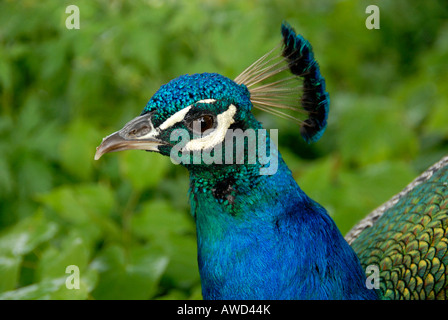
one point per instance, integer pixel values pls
(407, 238)
(259, 235)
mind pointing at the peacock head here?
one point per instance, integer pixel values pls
(195, 112)
(198, 108)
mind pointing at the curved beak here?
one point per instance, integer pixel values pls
(138, 133)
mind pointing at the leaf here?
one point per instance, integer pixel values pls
(35, 176)
(6, 179)
(143, 169)
(53, 289)
(183, 268)
(78, 149)
(128, 275)
(86, 205)
(26, 235)
(438, 118)
(74, 250)
(5, 71)
(158, 218)
(9, 271)
(174, 231)
(80, 203)
(173, 295)
(196, 293)
(349, 195)
(374, 130)
(368, 188)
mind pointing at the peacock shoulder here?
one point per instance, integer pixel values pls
(407, 239)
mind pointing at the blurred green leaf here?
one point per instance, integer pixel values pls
(160, 219)
(5, 70)
(78, 149)
(347, 193)
(182, 269)
(9, 271)
(52, 289)
(35, 176)
(26, 235)
(6, 179)
(144, 170)
(81, 203)
(438, 118)
(74, 250)
(86, 205)
(375, 131)
(174, 231)
(132, 274)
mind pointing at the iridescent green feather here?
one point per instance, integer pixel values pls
(409, 242)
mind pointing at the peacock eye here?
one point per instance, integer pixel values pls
(203, 123)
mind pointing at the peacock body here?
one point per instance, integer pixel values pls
(408, 239)
(259, 236)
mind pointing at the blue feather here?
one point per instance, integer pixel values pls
(278, 243)
(315, 100)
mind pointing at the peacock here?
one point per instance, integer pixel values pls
(259, 236)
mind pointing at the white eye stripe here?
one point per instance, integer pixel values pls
(207, 101)
(175, 118)
(180, 115)
(224, 119)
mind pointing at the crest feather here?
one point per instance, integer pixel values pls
(277, 79)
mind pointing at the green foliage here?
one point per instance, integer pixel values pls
(124, 220)
(132, 274)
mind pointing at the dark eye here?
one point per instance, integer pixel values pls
(203, 123)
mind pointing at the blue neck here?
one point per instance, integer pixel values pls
(269, 240)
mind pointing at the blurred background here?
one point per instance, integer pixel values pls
(124, 220)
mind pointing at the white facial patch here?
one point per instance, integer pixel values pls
(180, 115)
(224, 119)
(175, 118)
(207, 101)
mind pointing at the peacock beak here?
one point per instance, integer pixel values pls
(138, 133)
